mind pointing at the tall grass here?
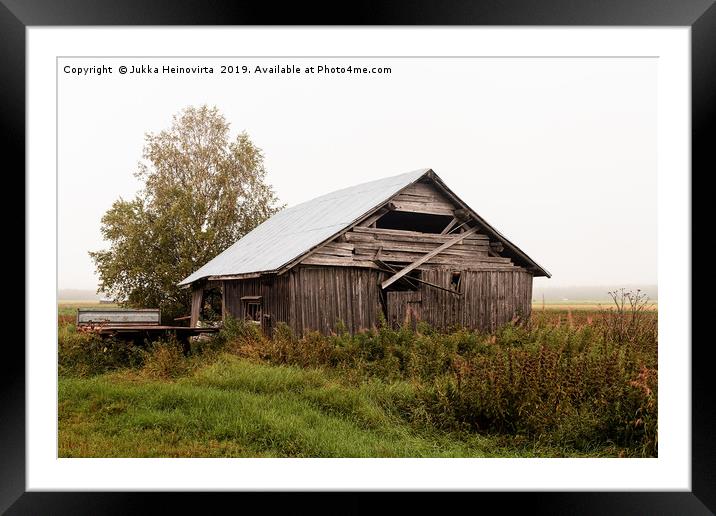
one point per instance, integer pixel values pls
(575, 383)
(582, 385)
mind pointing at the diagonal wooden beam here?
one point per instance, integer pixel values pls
(449, 226)
(373, 218)
(461, 227)
(417, 263)
(420, 280)
(391, 270)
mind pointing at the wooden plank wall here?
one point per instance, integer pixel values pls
(423, 198)
(317, 298)
(404, 308)
(322, 296)
(359, 246)
(274, 292)
(490, 298)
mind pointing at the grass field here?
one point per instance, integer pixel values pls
(572, 383)
(235, 408)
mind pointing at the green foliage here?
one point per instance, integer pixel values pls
(82, 354)
(202, 192)
(165, 360)
(550, 387)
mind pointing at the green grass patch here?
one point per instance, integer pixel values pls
(235, 408)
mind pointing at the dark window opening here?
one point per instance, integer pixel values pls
(409, 221)
(253, 311)
(252, 308)
(455, 281)
(407, 282)
(211, 305)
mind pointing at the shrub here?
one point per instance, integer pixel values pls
(83, 354)
(165, 360)
(629, 319)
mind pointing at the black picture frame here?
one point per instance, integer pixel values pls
(700, 15)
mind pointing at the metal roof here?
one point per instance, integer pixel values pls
(296, 230)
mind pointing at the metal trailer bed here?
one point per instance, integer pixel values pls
(136, 325)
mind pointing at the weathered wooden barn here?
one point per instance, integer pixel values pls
(405, 247)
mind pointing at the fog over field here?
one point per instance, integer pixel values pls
(591, 293)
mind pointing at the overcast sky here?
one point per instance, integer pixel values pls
(557, 154)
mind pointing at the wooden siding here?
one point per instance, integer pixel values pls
(489, 298)
(423, 198)
(321, 297)
(274, 292)
(360, 246)
(404, 308)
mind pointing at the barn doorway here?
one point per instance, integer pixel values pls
(404, 301)
(404, 308)
(207, 306)
(211, 306)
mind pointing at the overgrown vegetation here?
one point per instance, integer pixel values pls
(562, 385)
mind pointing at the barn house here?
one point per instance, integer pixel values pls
(404, 247)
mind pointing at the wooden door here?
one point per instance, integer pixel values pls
(404, 307)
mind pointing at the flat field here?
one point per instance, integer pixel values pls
(582, 305)
(67, 309)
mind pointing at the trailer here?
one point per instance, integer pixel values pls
(135, 325)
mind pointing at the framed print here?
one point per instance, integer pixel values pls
(429, 249)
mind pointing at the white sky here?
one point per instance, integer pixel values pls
(557, 154)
